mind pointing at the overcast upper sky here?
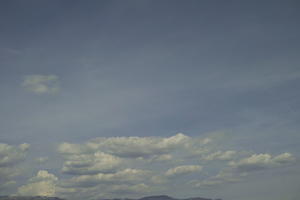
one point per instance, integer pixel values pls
(106, 99)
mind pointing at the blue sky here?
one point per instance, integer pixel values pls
(131, 98)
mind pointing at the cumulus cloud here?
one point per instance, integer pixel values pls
(10, 157)
(43, 184)
(134, 147)
(183, 169)
(156, 148)
(239, 169)
(135, 165)
(220, 155)
(261, 161)
(90, 163)
(119, 164)
(106, 155)
(41, 84)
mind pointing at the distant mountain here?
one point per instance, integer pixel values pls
(28, 198)
(159, 197)
(163, 197)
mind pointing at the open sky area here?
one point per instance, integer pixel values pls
(130, 98)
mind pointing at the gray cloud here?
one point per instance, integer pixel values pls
(261, 161)
(90, 163)
(183, 169)
(10, 157)
(238, 170)
(220, 155)
(41, 84)
(134, 147)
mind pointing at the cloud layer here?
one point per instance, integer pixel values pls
(135, 166)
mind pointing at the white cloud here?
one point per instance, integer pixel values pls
(156, 148)
(10, 157)
(121, 165)
(43, 184)
(183, 169)
(238, 170)
(261, 161)
(134, 147)
(220, 155)
(90, 163)
(41, 84)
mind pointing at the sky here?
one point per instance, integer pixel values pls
(117, 99)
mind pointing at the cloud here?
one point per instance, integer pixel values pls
(41, 84)
(68, 148)
(238, 170)
(121, 164)
(90, 163)
(156, 148)
(163, 157)
(43, 184)
(136, 165)
(183, 169)
(42, 159)
(134, 147)
(128, 176)
(220, 155)
(261, 161)
(10, 157)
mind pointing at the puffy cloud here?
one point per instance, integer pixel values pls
(238, 170)
(134, 147)
(183, 169)
(108, 163)
(105, 155)
(261, 161)
(120, 165)
(43, 184)
(41, 84)
(157, 148)
(10, 157)
(43, 175)
(90, 163)
(220, 155)
(284, 158)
